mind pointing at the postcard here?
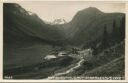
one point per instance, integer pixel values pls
(64, 41)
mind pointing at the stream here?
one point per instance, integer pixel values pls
(68, 71)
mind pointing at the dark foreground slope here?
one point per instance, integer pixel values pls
(114, 68)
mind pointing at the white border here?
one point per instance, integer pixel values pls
(1, 39)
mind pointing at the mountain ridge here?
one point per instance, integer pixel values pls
(83, 21)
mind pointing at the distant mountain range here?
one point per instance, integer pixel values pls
(87, 25)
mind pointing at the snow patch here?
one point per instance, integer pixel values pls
(48, 57)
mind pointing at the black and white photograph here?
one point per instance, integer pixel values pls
(64, 40)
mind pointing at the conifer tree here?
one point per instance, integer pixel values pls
(122, 28)
(115, 33)
(115, 30)
(105, 42)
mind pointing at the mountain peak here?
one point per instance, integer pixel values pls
(92, 10)
(87, 13)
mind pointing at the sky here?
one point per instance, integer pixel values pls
(49, 11)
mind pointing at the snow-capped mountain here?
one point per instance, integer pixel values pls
(59, 21)
(56, 21)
